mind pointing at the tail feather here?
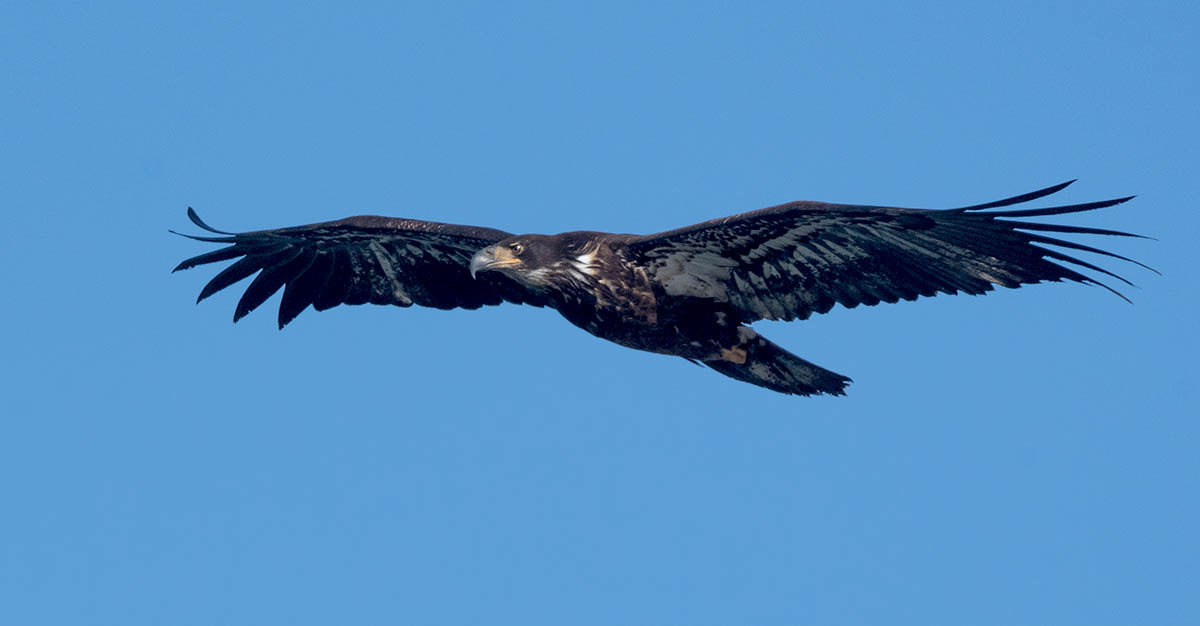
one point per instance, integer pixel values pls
(768, 365)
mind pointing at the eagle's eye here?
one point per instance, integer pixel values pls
(516, 248)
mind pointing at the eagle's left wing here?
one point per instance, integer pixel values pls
(356, 260)
(793, 260)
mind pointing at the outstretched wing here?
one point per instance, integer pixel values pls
(381, 260)
(793, 260)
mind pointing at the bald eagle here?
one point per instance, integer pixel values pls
(690, 292)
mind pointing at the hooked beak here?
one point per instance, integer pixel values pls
(491, 258)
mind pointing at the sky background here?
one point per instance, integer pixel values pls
(1026, 457)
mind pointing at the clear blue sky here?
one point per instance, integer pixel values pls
(1028, 457)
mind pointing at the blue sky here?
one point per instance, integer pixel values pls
(1025, 457)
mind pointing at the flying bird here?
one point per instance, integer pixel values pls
(690, 292)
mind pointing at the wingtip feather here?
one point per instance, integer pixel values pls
(195, 217)
(1025, 197)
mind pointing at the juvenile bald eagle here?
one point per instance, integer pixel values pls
(688, 292)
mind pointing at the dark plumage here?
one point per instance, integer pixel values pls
(689, 292)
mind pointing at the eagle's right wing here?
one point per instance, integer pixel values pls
(356, 260)
(790, 261)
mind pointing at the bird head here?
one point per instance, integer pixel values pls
(513, 256)
(529, 259)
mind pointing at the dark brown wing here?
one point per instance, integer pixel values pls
(793, 260)
(380, 260)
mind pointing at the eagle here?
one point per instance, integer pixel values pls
(690, 292)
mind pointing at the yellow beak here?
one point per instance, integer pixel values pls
(491, 258)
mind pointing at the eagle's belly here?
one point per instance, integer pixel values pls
(699, 331)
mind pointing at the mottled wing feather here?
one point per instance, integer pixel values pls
(357, 260)
(792, 260)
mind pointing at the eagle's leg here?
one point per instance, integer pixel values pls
(757, 361)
